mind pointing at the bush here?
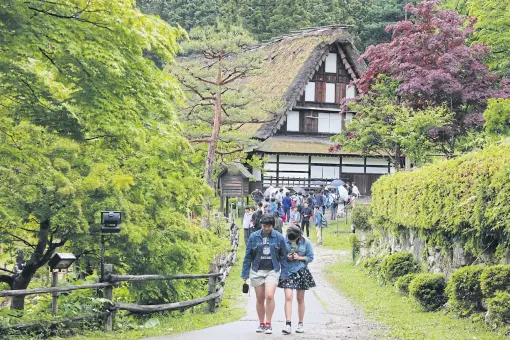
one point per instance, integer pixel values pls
(465, 196)
(361, 215)
(428, 290)
(495, 278)
(397, 265)
(355, 243)
(372, 265)
(403, 282)
(464, 291)
(499, 309)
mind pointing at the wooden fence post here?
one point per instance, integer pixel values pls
(108, 294)
(54, 296)
(213, 268)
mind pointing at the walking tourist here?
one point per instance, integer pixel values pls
(256, 217)
(247, 223)
(265, 263)
(281, 212)
(295, 216)
(272, 206)
(318, 217)
(355, 190)
(319, 200)
(287, 203)
(300, 254)
(278, 222)
(257, 196)
(305, 218)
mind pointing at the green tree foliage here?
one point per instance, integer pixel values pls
(492, 28)
(383, 126)
(186, 13)
(267, 19)
(219, 104)
(87, 124)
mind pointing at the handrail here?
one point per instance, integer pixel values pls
(132, 278)
(23, 292)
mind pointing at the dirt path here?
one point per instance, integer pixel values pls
(329, 315)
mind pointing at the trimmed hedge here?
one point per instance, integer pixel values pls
(361, 217)
(465, 196)
(464, 291)
(402, 284)
(372, 265)
(397, 265)
(499, 309)
(495, 278)
(429, 290)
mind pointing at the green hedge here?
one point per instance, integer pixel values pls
(360, 217)
(428, 290)
(464, 290)
(402, 284)
(465, 196)
(397, 265)
(499, 309)
(495, 278)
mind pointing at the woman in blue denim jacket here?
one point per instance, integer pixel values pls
(300, 254)
(265, 263)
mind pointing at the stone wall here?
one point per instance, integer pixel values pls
(436, 259)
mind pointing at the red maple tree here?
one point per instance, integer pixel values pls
(428, 55)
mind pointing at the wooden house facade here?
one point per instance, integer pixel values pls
(320, 67)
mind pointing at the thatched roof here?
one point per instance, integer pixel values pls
(299, 144)
(291, 61)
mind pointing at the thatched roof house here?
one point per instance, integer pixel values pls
(292, 60)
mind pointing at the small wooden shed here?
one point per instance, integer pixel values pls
(233, 181)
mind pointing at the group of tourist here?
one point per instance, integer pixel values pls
(273, 260)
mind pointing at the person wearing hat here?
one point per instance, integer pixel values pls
(265, 263)
(300, 254)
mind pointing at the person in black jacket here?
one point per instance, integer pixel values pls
(256, 217)
(306, 213)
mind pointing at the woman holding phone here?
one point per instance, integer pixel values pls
(300, 254)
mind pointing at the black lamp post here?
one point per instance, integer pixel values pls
(110, 224)
(58, 262)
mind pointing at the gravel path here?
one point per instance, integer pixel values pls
(329, 315)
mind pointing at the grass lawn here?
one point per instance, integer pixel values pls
(382, 303)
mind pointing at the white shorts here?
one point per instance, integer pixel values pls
(261, 277)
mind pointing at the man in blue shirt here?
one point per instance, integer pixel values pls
(265, 263)
(287, 203)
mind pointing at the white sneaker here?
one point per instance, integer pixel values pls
(287, 330)
(261, 328)
(300, 328)
(269, 330)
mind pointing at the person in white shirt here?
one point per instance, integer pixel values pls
(247, 227)
(355, 190)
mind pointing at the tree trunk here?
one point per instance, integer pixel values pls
(211, 150)
(39, 257)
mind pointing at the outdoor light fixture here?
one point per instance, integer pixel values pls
(110, 221)
(61, 261)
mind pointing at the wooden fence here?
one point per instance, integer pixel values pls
(219, 270)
